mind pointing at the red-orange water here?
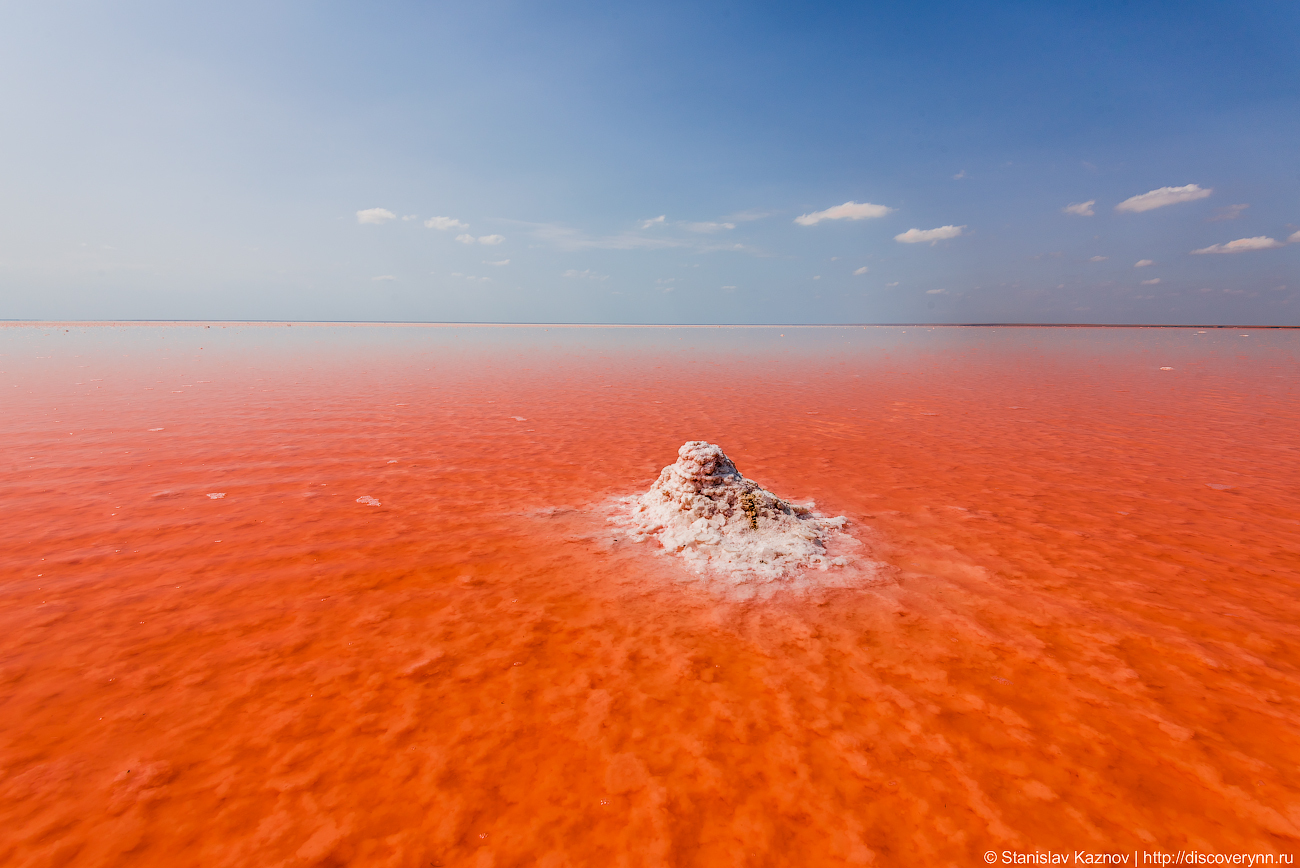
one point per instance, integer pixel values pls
(1087, 638)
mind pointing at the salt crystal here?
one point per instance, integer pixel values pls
(705, 511)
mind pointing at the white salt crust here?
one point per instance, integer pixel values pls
(702, 509)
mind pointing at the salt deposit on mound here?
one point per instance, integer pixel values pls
(717, 520)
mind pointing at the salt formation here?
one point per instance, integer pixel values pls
(703, 509)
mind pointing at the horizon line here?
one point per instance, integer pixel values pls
(14, 322)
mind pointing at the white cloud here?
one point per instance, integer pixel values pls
(916, 236)
(1098, 258)
(709, 227)
(482, 239)
(652, 221)
(1152, 282)
(585, 274)
(935, 291)
(1080, 209)
(410, 216)
(847, 211)
(1232, 212)
(496, 262)
(445, 223)
(1143, 263)
(384, 277)
(375, 215)
(862, 270)
(1243, 245)
(728, 288)
(895, 283)
(1162, 197)
(1294, 238)
(959, 175)
(817, 277)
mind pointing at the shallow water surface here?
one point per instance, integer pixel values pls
(326, 595)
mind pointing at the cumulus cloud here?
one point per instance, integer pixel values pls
(935, 291)
(466, 239)
(916, 236)
(384, 277)
(1143, 263)
(1243, 245)
(847, 211)
(496, 261)
(959, 175)
(1152, 282)
(1098, 258)
(491, 239)
(646, 224)
(375, 215)
(1232, 212)
(709, 227)
(410, 216)
(862, 270)
(1162, 197)
(445, 223)
(1294, 238)
(1080, 209)
(585, 274)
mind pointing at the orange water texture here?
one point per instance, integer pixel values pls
(1084, 637)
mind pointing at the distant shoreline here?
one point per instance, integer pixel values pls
(1028, 325)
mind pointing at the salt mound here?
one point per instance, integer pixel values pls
(704, 510)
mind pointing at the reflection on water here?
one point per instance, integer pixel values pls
(342, 595)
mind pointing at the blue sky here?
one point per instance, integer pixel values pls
(671, 162)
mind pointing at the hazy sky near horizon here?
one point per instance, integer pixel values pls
(663, 162)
